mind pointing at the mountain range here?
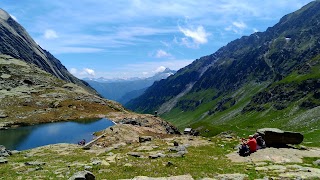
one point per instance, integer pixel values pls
(267, 79)
(124, 90)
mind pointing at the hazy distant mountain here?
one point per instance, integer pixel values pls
(269, 78)
(105, 80)
(117, 89)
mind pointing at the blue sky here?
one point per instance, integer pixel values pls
(137, 38)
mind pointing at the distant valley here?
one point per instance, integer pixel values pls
(122, 90)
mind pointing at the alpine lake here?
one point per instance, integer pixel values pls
(27, 137)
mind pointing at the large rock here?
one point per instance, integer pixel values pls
(3, 114)
(4, 152)
(317, 162)
(276, 137)
(182, 177)
(145, 139)
(34, 163)
(135, 154)
(3, 160)
(83, 175)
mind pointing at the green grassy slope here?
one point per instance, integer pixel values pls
(289, 104)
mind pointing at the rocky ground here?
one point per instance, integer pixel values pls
(287, 162)
(136, 152)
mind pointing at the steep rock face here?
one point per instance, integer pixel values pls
(263, 57)
(16, 42)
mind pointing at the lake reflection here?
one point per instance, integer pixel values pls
(60, 132)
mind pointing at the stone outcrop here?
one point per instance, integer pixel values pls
(277, 137)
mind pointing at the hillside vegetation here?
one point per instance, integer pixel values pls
(267, 79)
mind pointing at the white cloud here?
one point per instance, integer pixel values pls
(160, 69)
(162, 54)
(73, 71)
(62, 50)
(50, 34)
(240, 25)
(84, 73)
(237, 27)
(255, 30)
(198, 35)
(89, 71)
(166, 44)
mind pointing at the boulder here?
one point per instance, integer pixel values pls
(83, 175)
(3, 114)
(135, 154)
(155, 156)
(4, 152)
(131, 121)
(34, 163)
(3, 160)
(178, 148)
(317, 162)
(144, 139)
(176, 155)
(277, 137)
(87, 167)
(127, 165)
(96, 162)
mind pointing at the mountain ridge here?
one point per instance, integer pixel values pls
(16, 42)
(36, 88)
(221, 81)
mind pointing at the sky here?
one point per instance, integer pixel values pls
(138, 38)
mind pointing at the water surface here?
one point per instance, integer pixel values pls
(28, 137)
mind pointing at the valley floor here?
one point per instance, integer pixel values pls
(116, 157)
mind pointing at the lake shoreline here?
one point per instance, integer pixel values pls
(28, 137)
(12, 125)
